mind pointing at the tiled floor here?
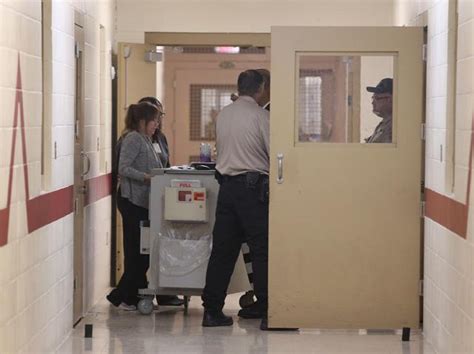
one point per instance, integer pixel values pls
(169, 330)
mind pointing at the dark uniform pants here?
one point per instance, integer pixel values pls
(135, 264)
(241, 216)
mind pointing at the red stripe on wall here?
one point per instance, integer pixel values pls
(4, 215)
(48, 207)
(98, 188)
(5, 218)
(447, 212)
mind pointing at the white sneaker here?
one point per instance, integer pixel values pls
(125, 307)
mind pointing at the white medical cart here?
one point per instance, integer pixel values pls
(179, 237)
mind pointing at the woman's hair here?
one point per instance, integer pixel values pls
(137, 112)
(153, 100)
(156, 102)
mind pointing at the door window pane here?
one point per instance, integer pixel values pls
(206, 103)
(345, 98)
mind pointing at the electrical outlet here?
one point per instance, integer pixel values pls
(98, 143)
(55, 150)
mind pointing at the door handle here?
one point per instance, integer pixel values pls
(84, 155)
(280, 168)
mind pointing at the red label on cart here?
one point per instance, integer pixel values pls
(185, 196)
(199, 196)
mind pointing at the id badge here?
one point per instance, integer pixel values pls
(157, 148)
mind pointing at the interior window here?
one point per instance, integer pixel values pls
(345, 98)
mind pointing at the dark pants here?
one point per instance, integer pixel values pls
(136, 264)
(241, 216)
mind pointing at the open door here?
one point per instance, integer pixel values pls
(344, 214)
(136, 78)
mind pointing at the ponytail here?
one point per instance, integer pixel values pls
(136, 112)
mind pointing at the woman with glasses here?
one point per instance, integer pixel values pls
(137, 158)
(161, 147)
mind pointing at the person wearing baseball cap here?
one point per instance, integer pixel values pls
(382, 107)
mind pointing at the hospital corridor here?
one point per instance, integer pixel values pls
(217, 176)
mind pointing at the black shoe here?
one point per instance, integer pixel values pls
(216, 319)
(251, 312)
(264, 326)
(169, 300)
(113, 301)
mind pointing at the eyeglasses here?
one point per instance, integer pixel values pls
(160, 116)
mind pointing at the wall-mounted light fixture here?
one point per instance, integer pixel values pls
(153, 57)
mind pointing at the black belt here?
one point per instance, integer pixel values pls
(242, 177)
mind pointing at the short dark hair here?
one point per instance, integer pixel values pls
(249, 82)
(266, 77)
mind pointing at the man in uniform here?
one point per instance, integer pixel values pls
(253, 311)
(242, 142)
(382, 106)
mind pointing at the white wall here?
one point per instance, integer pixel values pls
(136, 17)
(36, 269)
(449, 258)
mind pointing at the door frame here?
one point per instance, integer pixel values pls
(166, 39)
(79, 182)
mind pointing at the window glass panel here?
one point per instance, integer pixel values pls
(206, 103)
(345, 98)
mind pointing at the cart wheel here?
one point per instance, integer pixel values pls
(246, 300)
(145, 306)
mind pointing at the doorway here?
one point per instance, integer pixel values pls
(301, 143)
(193, 80)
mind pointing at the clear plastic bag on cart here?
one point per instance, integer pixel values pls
(183, 247)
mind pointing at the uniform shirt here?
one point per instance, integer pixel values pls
(382, 133)
(242, 138)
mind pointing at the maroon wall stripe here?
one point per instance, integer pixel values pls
(49, 207)
(447, 212)
(450, 213)
(98, 188)
(4, 216)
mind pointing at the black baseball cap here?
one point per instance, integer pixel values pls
(384, 86)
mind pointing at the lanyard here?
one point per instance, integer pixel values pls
(150, 146)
